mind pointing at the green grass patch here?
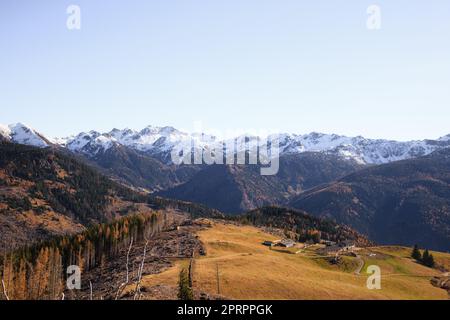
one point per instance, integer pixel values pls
(345, 264)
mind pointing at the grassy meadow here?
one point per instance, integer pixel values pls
(249, 270)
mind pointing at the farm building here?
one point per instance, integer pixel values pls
(271, 243)
(287, 243)
(344, 246)
(347, 245)
(328, 243)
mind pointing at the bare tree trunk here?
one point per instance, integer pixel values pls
(138, 282)
(4, 290)
(128, 259)
(123, 285)
(90, 286)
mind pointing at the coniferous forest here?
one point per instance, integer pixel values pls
(39, 271)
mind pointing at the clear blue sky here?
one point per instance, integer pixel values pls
(298, 66)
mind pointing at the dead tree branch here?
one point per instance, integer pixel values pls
(127, 280)
(138, 282)
(128, 259)
(4, 290)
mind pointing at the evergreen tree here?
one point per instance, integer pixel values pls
(184, 290)
(37, 272)
(428, 259)
(430, 262)
(21, 289)
(425, 256)
(416, 253)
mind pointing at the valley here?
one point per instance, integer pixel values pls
(139, 228)
(224, 159)
(405, 202)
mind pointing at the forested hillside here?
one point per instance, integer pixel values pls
(237, 188)
(138, 169)
(405, 202)
(45, 193)
(39, 271)
(301, 226)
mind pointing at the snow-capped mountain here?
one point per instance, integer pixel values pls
(89, 143)
(160, 141)
(23, 134)
(154, 141)
(369, 151)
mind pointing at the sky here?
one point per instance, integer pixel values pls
(289, 65)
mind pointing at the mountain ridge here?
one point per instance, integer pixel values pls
(237, 188)
(404, 202)
(158, 142)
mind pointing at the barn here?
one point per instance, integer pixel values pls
(287, 243)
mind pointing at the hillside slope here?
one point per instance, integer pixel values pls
(304, 226)
(45, 193)
(404, 202)
(137, 169)
(234, 189)
(247, 270)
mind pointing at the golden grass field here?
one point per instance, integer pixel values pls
(249, 270)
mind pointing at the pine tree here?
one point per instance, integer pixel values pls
(428, 259)
(21, 290)
(41, 274)
(431, 262)
(56, 275)
(416, 253)
(425, 256)
(184, 291)
(7, 276)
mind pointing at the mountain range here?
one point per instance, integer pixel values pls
(394, 192)
(160, 141)
(238, 188)
(403, 202)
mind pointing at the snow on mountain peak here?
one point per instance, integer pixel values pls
(23, 134)
(160, 141)
(90, 142)
(5, 131)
